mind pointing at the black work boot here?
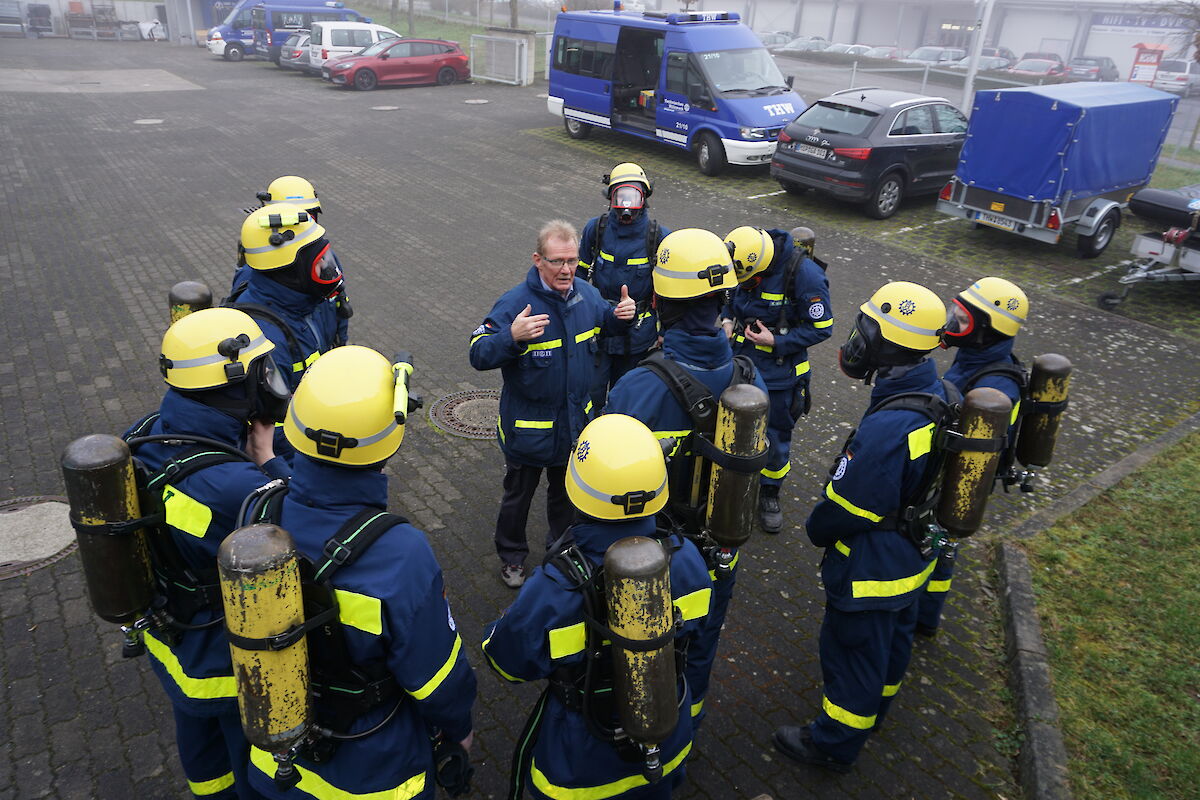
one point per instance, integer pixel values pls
(796, 743)
(770, 517)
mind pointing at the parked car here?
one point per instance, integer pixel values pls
(935, 56)
(1037, 68)
(1046, 56)
(332, 40)
(1176, 75)
(837, 47)
(871, 146)
(391, 61)
(885, 51)
(1000, 52)
(985, 63)
(293, 54)
(801, 46)
(773, 39)
(1093, 68)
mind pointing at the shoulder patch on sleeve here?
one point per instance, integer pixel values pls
(816, 310)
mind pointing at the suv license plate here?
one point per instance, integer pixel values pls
(996, 222)
(815, 152)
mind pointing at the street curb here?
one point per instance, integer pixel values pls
(1042, 762)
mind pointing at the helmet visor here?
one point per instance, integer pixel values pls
(325, 269)
(960, 322)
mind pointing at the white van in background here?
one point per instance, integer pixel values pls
(336, 39)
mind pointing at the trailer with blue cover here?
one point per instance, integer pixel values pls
(1038, 159)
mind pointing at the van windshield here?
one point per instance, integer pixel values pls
(751, 71)
(238, 9)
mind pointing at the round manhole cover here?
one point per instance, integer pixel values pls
(471, 414)
(34, 533)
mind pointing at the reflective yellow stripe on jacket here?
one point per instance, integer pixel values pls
(569, 640)
(439, 677)
(300, 366)
(318, 787)
(893, 588)
(216, 688)
(205, 788)
(604, 790)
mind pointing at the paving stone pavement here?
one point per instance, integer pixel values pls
(433, 209)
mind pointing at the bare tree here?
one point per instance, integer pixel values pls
(1188, 13)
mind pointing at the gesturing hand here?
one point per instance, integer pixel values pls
(526, 328)
(760, 334)
(626, 308)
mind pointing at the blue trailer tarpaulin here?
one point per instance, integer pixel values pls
(1040, 142)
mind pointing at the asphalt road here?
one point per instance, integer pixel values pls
(123, 184)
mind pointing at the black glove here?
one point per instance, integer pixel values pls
(452, 767)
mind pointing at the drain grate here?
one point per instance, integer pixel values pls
(11, 569)
(471, 414)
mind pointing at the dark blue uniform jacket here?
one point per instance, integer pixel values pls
(393, 607)
(544, 403)
(622, 260)
(544, 630)
(200, 512)
(968, 362)
(809, 315)
(867, 567)
(242, 274)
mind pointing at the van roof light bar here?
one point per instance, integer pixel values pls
(691, 17)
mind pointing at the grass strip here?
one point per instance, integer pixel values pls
(1118, 590)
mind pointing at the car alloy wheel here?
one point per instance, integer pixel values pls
(887, 196)
(446, 76)
(365, 80)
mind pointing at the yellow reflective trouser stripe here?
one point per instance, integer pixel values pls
(825, 323)
(802, 368)
(550, 345)
(846, 504)
(500, 429)
(778, 473)
(360, 611)
(890, 689)
(567, 641)
(300, 366)
(694, 605)
(318, 787)
(185, 513)
(939, 586)
(588, 334)
(847, 718)
(202, 788)
(604, 791)
(892, 588)
(496, 666)
(771, 296)
(1012, 420)
(211, 787)
(920, 442)
(433, 683)
(697, 708)
(198, 688)
(842, 548)
(533, 423)
(712, 573)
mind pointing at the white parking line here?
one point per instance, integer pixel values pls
(768, 194)
(1102, 271)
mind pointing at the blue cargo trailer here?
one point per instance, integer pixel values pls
(1038, 159)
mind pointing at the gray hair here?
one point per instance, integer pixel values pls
(556, 229)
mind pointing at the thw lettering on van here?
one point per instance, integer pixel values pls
(780, 109)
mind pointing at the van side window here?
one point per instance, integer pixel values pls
(677, 72)
(315, 36)
(387, 35)
(341, 37)
(325, 16)
(242, 20)
(581, 57)
(290, 19)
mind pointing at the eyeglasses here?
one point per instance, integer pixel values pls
(560, 262)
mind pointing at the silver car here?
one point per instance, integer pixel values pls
(294, 53)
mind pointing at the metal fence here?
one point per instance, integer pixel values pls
(499, 59)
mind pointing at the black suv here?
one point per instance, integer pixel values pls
(872, 146)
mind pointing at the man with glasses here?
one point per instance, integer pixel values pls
(542, 335)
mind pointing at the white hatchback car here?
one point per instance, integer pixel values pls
(336, 39)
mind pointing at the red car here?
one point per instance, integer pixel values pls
(1037, 68)
(400, 61)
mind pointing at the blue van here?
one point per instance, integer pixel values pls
(699, 80)
(273, 24)
(233, 39)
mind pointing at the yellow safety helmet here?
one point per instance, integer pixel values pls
(343, 409)
(909, 315)
(1002, 302)
(617, 470)
(692, 262)
(273, 235)
(211, 348)
(752, 250)
(626, 173)
(291, 189)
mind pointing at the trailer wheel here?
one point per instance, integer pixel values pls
(577, 129)
(1110, 300)
(1094, 245)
